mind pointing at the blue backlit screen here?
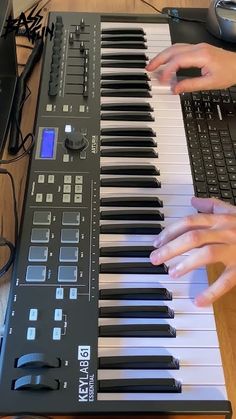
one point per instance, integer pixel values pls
(47, 143)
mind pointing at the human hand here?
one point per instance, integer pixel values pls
(211, 237)
(218, 67)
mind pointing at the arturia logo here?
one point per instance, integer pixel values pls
(30, 26)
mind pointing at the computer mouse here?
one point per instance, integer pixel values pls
(221, 19)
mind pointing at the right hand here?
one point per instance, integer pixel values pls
(218, 66)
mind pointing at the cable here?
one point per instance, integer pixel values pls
(3, 240)
(172, 16)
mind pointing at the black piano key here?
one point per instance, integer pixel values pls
(124, 56)
(142, 170)
(136, 294)
(128, 131)
(137, 330)
(123, 64)
(125, 93)
(125, 84)
(140, 385)
(140, 152)
(123, 31)
(121, 37)
(147, 215)
(137, 182)
(132, 312)
(139, 362)
(126, 251)
(128, 142)
(133, 268)
(131, 116)
(136, 228)
(123, 44)
(140, 201)
(125, 76)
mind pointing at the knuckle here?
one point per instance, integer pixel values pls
(193, 237)
(210, 252)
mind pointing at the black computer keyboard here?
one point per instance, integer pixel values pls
(210, 122)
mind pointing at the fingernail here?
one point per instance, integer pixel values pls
(157, 242)
(175, 270)
(154, 258)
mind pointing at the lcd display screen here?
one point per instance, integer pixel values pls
(47, 143)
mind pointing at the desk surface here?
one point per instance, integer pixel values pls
(225, 309)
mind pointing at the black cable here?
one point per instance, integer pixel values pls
(172, 16)
(3, 240)
(27, 151)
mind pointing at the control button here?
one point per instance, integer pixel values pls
(49, 197)
(66, 158)
(35, 382)
(78, 179)
(83, 155)
(67, 179)
(58, 314)
(42, 218)
(36, 273)
(41, 178)
(71, 218)
(73, 294)
(51, 178)
(56, 334)
(78, 188)
(31, 333)
(37, 360)
(67, 274)
(38, 254)
(69, 235)
(53, 89)
(49, 107)
(78, 199)
(39, 197)
(75, 141)
(66, 198)
(66, 188)
(69, 254)
(85, 91)
(40, 235)
(81, 108)
(59, 293)
(33, 314)
(82, 23)
(65, 108)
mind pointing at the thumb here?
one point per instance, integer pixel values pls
(212, 206)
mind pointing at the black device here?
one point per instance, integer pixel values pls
(63, 305)
(8, 70)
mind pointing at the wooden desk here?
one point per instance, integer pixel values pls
(225, 309)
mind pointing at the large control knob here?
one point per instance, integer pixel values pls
(76, 141)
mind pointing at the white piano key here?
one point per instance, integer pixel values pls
(196, 276)
(157, 101)
(185, 339)
(189, 375)
(152, 28)
(180, 321)
(162, 158)
(195, 356)
(180, 305)
(158, 123)
(189, 393)
(164, 223)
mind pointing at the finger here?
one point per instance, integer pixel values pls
(164, 56)
(193, 84)
(221, 286)
(212, 205)
(200, 257)
(191, 222)
(191, 240)
(182, 60)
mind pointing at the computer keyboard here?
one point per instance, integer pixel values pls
(210, 122)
